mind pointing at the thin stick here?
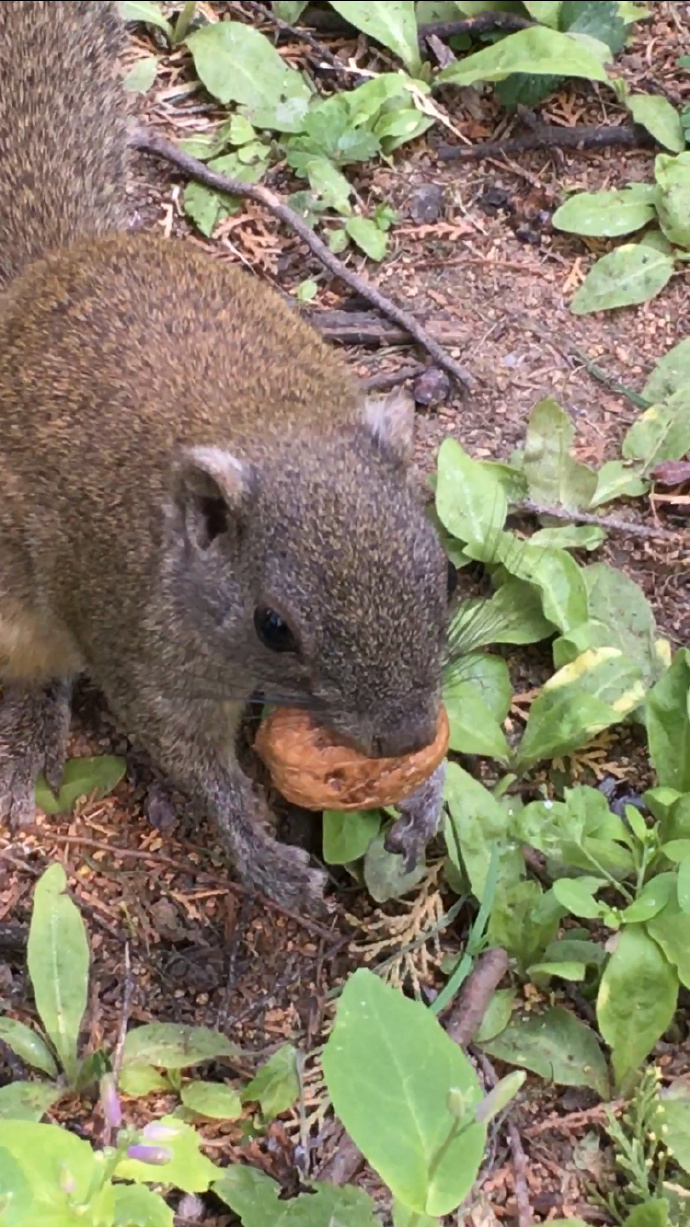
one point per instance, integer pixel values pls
(549, 136)
(474, 998)
(160, 147)
(616, 526)
(520, 1167)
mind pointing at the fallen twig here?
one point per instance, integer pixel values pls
(158, 146)
(550, 136)
(472, 1002)
(607, 522)
(391, 379)
(300, 34)
(481, 24)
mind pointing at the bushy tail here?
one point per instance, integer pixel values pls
(63, 131)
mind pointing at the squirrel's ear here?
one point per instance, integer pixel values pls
(212, 489)
(390, 421)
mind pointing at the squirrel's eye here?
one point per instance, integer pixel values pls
(273, 631)
(452, 580)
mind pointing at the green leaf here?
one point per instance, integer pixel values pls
(651, 900)
(276, 1086)
(577, 895)
(512, 615)
(631, 274)
(673, 1122)
(139, 1079)
(329, 185)
(16, 1197)
(606, 214)
(80, 778)
(238, 64)
(346, 836)
(367, 235)
(638, 983)
(660, 118)
(289, 10)
(27, 1101)
(554, 477)
(673, 205)
(473, 726)
(535, 51)
(392, 23)
(490, 678)
(548, 12)
(477, 821)
(175, 1046)
(389, 1067)
(556, 1046)
(553, 572)
(403, 1216)
(141, 75)
(28, 1046)
(652, 1214)
(620, 605)
(47, 1154)
(58, 961)
(570, 537)
(596, 19)
(188, 1169)
(497, 1015)
(212, 1099)
(670, 929)
(146, 11)
(524, 919)
(384, 872)
(470, 502)
(668, 724)
(135, 1204)
(596, 690)
(254, 1197)
(671, 373)
(616, 479)
(400, 126)
(662, 432)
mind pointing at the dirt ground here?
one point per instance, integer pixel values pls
(491, 279)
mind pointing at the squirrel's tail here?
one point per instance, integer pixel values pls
(63, 129)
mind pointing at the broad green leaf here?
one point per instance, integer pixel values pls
(329, 185)
(673, 1122)
(473, 727)
(631, 12)
(608, 214)
(631, 274)
(555, 1045)
(660, 118)
(662, 432)
(28, 1046)
(403, 1216)
(212, 1099)
(175, 1046)
(497, 1016)
(27, 1101)
(206, 207)
(81, 777)
(384, 872)
(553, 572)
(510, 477)
(489, 677)
(619, 604)
(188, 1169)
(470, 502)
(146, 11)
(577, 895)
(389, 1067)
(392, 23)
(135, 1204)
(683, 884)
(512, 615)
(254, 1196)
(534, 51)
(596, 690)
(141, 75)
(16, 1196)
(346, 836)
(670, 929)
(139, 1079)
(368, 236)
(638, 983)
(570, 537)
(673, 205)
(400, 126)
(289, 10)
(671, 373)
(651, 900)
(58, 961)
(598, 20)
(47, 1154)
(668, 724)
(276, 1086)
(579, 832)
(616, 479)
(554, 477)
(653, 1213)
(476, 822)
(546, 11)
(238, 64)
(524, 919)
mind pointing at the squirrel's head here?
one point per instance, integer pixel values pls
(317, 577)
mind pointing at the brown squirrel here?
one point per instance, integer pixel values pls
(198, 503)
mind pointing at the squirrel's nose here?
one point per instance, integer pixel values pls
(406, 739)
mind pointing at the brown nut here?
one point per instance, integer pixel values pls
(310, 768)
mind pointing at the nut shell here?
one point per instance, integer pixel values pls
(310, 768)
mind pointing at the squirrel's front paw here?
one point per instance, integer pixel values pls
(283, 873)
(34, 725)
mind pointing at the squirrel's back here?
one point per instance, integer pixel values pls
(63, 128)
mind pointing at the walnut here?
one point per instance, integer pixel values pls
(310, 768)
